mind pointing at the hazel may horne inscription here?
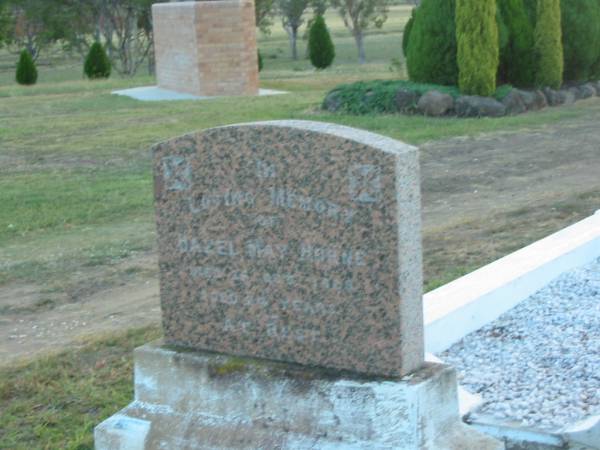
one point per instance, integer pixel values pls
(293, 241)
(178, 176)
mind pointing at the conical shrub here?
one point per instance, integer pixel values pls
(478, 46)
(581, 37)
(517, 61)
(431, 46)
(407, 30)
(26, 71)
(320, 46)
(548, 44)
(97, 65)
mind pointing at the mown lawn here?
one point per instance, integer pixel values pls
(56, 401)
(76, 189)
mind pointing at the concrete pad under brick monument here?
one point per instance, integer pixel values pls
(206, 48)
(290, 273)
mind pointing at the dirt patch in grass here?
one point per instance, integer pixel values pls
(483, 197)
(36, 319)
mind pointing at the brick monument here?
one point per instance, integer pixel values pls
(206, 48)
(291, 284)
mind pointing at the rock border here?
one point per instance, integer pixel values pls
(434, 103)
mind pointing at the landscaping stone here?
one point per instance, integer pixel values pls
(587, 90)
(514, 103)
(476, 106)
(569, 96)
(332, 101)
(406, 100)
(534, 100)
(560, 97)
(435, 103)
(577, 93)
(555, 98)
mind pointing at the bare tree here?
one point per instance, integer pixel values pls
(291, 15)
(123, 26)
(358, 15)
(127, 44)
(31, 24)
(5, 21)
(264, 14)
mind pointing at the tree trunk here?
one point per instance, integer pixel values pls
(294, 42)
(129, 34)
(151, 61)
(360, 44)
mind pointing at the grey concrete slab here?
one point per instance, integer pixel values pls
(156, 94)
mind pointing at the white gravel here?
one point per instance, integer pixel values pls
(539, 363)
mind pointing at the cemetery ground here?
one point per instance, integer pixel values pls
(77, 241)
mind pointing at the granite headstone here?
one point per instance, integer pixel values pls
(293, 241)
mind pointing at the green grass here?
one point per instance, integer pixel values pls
(75, 158)
(56, 401)
(50, 200)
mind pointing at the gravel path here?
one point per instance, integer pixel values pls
(539, 363)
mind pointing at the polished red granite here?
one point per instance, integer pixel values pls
(292, 241)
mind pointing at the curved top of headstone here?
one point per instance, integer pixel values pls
(294, 241)
(377, 141)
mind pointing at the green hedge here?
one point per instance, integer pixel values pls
(527, 39)
(581, 38)
(379, 96)
(517, 61)
(431, 48)
(478, 46)
(27, 73)
(407, 30)
(320, 46)
(548, 45)
(97, 65)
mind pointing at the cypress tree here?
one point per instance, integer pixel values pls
(260, 61)
(548, 44)
(581, 37)
(320, 46)
(531, 10)
(517, 61)
(26, 71)
(97, 65)
(407, 30)
(478, 47)
(431, 52)
(503, 33)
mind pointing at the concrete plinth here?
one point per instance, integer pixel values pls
(196, 400)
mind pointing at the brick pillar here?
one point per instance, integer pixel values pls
(206, 48)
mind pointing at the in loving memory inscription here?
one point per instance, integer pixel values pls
(294, 241)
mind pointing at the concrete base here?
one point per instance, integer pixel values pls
(197, 400)
(583, 436)
(469, 303)
(156, 94)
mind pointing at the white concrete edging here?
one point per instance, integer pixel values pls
(471, 302)
(157, 94)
